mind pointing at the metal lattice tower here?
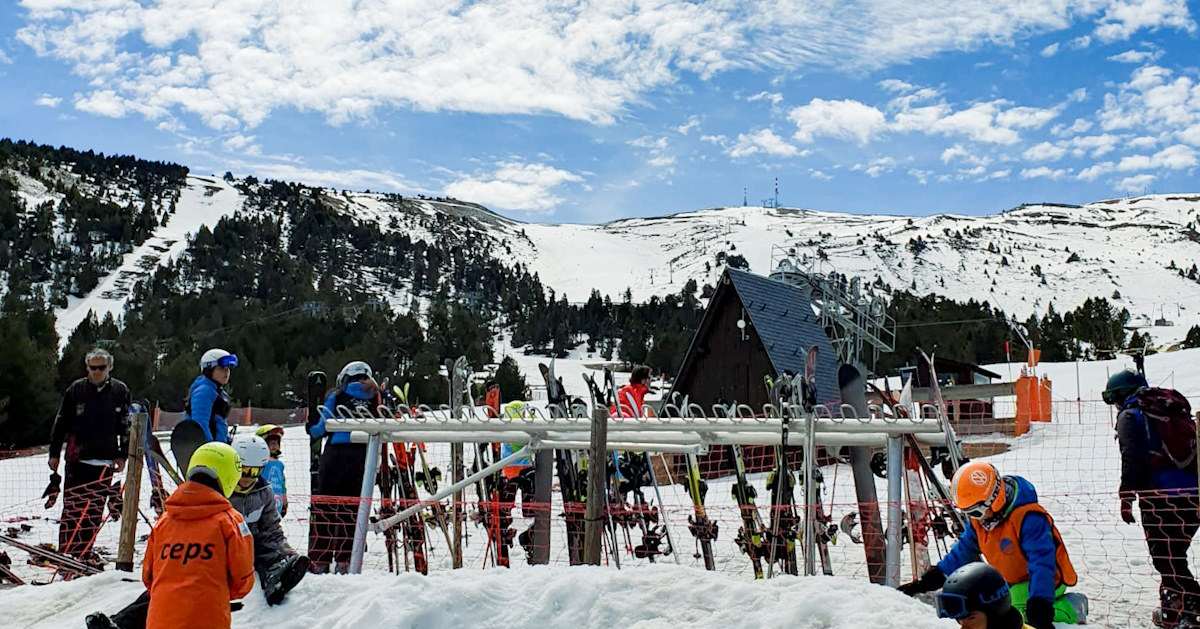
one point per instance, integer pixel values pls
(854, 315)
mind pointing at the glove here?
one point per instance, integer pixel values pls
(930, 581)
(1039, 613)
(1127, 511)
(53, 489)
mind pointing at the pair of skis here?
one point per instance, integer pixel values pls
(571, 483)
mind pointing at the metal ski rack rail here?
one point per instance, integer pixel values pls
(689, 430)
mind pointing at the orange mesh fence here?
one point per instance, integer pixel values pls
(1072, 461)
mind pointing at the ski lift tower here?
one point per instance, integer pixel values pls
(853, 315)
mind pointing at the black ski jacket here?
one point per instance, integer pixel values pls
(93, 421)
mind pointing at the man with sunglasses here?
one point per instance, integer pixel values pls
(207, 402)
(1013, 533)
(93, 422)
(1164, 486)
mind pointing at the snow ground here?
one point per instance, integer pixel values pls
(651, 597)
(1072, 461)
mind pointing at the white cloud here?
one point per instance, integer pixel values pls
(1081, 125)
(1154, 101)
(896, 85)
(1091, 173)
(1044, 152)
(1000, 174)
(816, 174)
(1051, 50)
(1096, 145)
(1078, 95)
(958, 152)
(762, 141)
(1043, 172)
(841, 119)
(991, 122)
(241, 143)
(1143, 142)
(1178, 157)
(1123, 18)
(47, 100)
(5, 59)
(922, 176)
(102, 103)
(1136, 56)
(1136, 184)
(656, 148)
(876, 167)
(514, 186)
(693, 122)
(231, 64)
(1191, 135)
(1079, 43)
(774, 97)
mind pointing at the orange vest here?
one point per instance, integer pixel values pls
(1001, 547)
(200, 556)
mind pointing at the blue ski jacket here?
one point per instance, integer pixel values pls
(207, 405)
(1036, 543)
(274, 475)
(355, 396)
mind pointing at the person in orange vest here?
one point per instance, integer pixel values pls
(200, 555)
(1013, 533)
(631, 397)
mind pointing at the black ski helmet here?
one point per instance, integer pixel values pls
(975, 587)
(1121, 385)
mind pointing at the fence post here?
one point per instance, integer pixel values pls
(593, 530)
(133, 491)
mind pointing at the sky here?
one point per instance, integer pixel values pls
(584, 112)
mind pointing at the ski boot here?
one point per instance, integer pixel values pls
(99, 621)
(280, 578)
(1170, 610)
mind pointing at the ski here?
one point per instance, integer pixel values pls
(569, 479)
(185, 438)
(817, 526)
(954, 454)
(317, 383)
(749, 537)
(701, 527)
(782, 546)
(53, 558)
(415, 541)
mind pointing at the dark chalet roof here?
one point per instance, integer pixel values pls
(783, 315)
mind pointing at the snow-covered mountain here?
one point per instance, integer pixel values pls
(1137, 252)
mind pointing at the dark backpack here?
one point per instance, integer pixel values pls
(1169, 421)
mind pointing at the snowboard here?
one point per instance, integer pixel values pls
(185, 438)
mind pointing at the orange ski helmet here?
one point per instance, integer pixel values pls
(977, 487)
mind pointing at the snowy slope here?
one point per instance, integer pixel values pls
(1123, 245)
(204, 201)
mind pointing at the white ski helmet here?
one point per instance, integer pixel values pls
(353, 368)
(217, 358)
(252, 450)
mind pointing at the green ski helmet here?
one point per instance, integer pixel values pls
(1121, 385)
(218, 461)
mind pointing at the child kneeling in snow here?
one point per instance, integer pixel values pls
(279, 567)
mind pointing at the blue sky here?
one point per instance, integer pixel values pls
(548, 110)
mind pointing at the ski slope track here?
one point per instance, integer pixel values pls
(203, 201)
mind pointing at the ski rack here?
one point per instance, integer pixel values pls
(688, 429)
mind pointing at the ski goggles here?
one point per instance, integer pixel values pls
(980, 509)
(251, 472)
(227, 361)
(956, 606)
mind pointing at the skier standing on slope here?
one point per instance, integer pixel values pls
(200, 555)
(1158, 469)
(977, 596)
(335, 500)
(93, 421)
(274, 471)
(207, 402)
(1016, 536)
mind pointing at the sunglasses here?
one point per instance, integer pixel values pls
(97, 367)
(954, 606)
(251, 472)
